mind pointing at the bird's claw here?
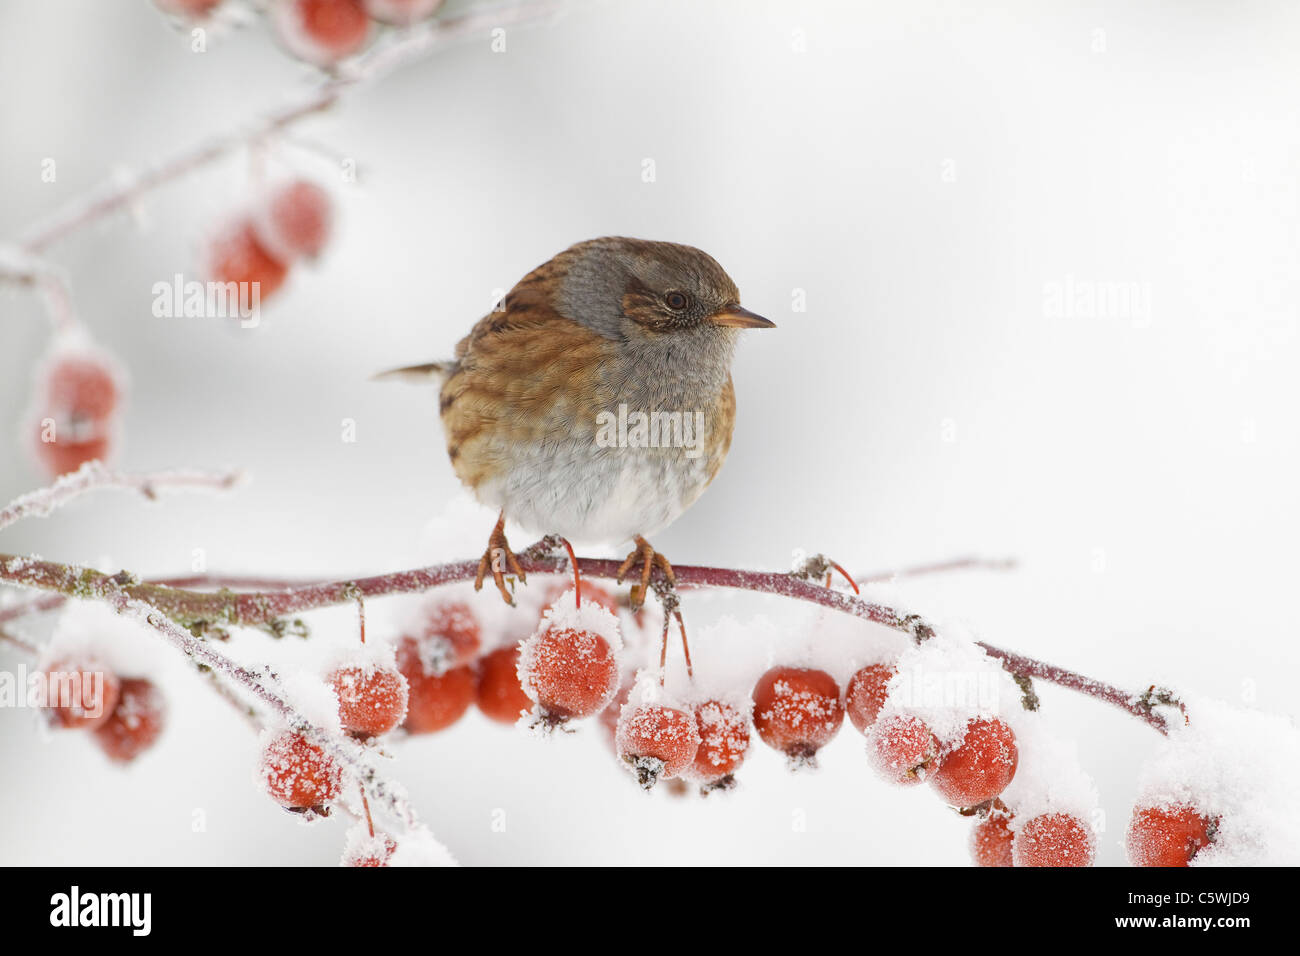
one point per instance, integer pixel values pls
(498, 558)
(649, 559)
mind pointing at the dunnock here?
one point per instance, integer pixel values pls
(597, 402)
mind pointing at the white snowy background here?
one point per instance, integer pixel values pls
(927, 173)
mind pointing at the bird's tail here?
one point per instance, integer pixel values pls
(431, 373)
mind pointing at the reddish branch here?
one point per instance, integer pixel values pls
(268, 608)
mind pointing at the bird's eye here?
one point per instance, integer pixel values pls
(677, 301)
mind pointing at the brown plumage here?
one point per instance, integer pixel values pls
(536, 402)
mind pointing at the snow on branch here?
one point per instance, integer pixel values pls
(268, 608)
(93, 475)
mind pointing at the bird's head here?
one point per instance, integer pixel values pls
(635, 288)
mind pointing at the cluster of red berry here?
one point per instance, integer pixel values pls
(256, 249)
(125, 715)
(322, 32)
(569, 669)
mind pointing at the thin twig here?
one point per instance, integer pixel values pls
(939, 567)
(93, 475)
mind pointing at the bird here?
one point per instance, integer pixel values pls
(595, 402)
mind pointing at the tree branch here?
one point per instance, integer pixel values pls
(264, 608)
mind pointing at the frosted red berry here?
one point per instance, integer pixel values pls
(797, 710)
(903, 749)
(980, 767)
(136, 722)
(435, 701)
(298, 774)
(449, 635)
(656, 742)
(296, 220)
(373, 851)
(1168, 836)
(724, 741)
(1053, 839)
(500, 695)
(235, 254)
(321, 32)
(79, 694)
(865, 695)
(372, 700)
(80, 386)
(569, 672)
(990, 841)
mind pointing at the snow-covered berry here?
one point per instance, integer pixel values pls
(136, 722)
(298, 774)
(656, 742)
(1168, 835)
(1054, 839)
(797, 711)
(903, 749)
(980, 767)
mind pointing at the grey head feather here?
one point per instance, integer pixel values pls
(656, 369)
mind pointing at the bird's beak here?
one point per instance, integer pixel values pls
(735, 317)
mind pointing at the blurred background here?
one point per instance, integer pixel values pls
(931, 201)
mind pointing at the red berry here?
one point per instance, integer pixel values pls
(79, 694)
(500, 695)
(1053, 839)
(569, 672)
(236, 255)
(436, 700)
(372, 701)
(1168, 836)
(136, 722)
(797, 710)
(449, 636)
(657, 742)
(865, 695)
(724, 741)
(401, 13)
(321, 32)
(81, 386)
(990, 842)
(980, 767)
(903, 749)
(296, 221)
(368, 850)
(64, 452)
(298, 774)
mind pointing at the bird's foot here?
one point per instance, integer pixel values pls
(649, 559)
(499, 559)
